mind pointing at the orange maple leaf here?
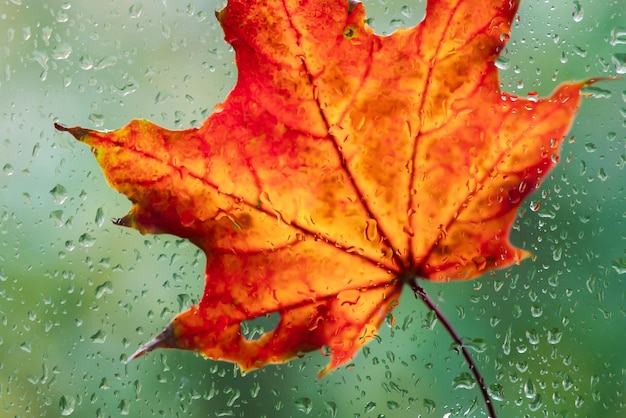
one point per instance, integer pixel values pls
(342, 166)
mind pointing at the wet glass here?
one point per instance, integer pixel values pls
(79, 294)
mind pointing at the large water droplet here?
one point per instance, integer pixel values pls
(554, 336)
(162, 96)
(596, 92)
(86, 240)
(99, 337)
(106, 62)
(619, 61)
(61, 51)
(464, 381)
(97, 119)
(503, 63)
(430, 320)
(578, 13)
(99, 217)
(331, 408)
(529, 389)
(105, 288)
(183, 301)
(371, 230)
(617, 36)
(8, 169)
(124, 407)
(85, 62)
(429, 405)
(67, 404)
(135, 10)
(59, 194)
(304, 405)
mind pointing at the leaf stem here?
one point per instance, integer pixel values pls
(421, 294)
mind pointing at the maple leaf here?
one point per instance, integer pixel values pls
(342, 166)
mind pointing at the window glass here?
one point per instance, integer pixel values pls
(79, 294)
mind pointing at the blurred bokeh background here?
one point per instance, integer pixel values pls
(78, 294)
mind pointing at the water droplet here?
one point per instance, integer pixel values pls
(57, 218)
(304, 405)
(429, 405)
(99, 337)
(532, 336)
(105, 288)
(124, 407)
(619, 61)
(331, 408)
(590, 147)
(86, 240)
(35, 151)
(503, 63)
(596, 92)
(97, 119)
(578, 13)
(135, 10)
(554, 336)
(464, 381)
(106, 62)
(534, 205)
(183, 301)
(161, 96)
(8, 169)
(42, 59)
(497, 392)
(557, 253)
(25, 346)
(46, 33)
(477, 345)
(536, 403)
(99, 217)
(371, 230)
(61, 51)
(617, 36)
(62, 16)
(536, 311)
(67, 404)
(85, 62)
(393, 405)
(529, 389)
(619, 265)
(59, 194)
(430, 320)
(126, 89)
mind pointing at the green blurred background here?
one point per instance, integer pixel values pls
(78, 294)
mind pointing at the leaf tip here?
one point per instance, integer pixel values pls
(165, 339)
(521, 255)
(76, 131)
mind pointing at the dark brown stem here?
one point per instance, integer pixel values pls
(421, 293)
